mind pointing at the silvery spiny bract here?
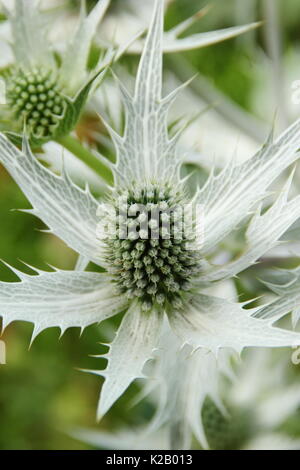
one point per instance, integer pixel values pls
(259, 401)
(148, 280)
(44, 92)
(220, 403)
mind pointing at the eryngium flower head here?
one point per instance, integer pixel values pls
(150, 256)
(44, 93)
(147, 160)
(36, 98)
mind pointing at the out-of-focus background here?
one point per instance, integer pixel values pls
(248, 83)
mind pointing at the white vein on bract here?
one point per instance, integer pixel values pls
(57, 158)
(228, 196)
(29, 31)
(145, 149)
(288, 297)
(70, 212)
(61, 299)
(263, 233)
(214, 323)
(132, 347)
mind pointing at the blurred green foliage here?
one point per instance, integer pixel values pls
(226, 432)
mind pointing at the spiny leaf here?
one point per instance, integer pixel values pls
(69, 211)
(61, 298)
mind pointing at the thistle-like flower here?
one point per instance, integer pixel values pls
(152, 268)
(44, 92)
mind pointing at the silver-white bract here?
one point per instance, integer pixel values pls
(32, 49)
(258, 387)
(146, 153)
(126, 22)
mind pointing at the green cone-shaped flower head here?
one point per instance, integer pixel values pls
(151, 256)
(46, 97)
(35, 97)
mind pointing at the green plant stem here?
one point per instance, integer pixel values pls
(81, 152)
